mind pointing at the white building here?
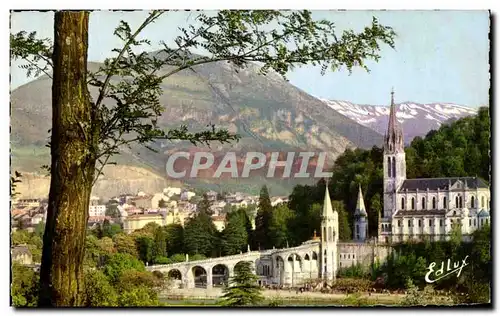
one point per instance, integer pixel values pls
(418, 208)
(97, 210)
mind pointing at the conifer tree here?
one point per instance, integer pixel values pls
(263, 219)
(243, 290)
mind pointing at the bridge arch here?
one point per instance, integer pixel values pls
(220, 274)
(199, 275)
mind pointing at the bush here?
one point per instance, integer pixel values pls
(162, 260)
(354, 271)
(352, 285)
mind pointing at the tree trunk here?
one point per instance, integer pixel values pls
(72, 165)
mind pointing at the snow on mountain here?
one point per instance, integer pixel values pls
(416, 119)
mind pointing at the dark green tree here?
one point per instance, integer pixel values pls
(345, 232)
(243, 289)
(24, 286)
(200, 235)
(373, 214)
(160, 243)
(204, 205)
(109, 230)
(175, 239)
(112, 210)
(234, 236)
(145, 248)
(279, 234)
(263, 219)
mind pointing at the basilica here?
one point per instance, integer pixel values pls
(423, 208)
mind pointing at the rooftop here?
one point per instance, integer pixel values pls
(423, 184)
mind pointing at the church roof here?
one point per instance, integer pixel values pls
(441, 183)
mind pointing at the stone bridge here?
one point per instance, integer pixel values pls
(289, 266)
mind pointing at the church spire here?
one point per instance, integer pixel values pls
(394, 136)
(360, 205)
(327, 205)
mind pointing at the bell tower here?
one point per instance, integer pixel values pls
(394, 161)
(329, 239)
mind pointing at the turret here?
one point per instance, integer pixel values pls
(360, 219)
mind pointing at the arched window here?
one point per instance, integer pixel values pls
(412, 203)
(434, 203)
(393, 167)
(402, 203)
(423, 204)
(472, 202)
(461, 200)
(444, 202)
(324, 233)
(329, 234)
(456, 202)
(482, 201)
(389, 168)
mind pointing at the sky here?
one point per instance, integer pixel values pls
(440, 56)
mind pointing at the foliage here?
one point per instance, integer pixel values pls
(133, 278)
(263, 219)
(200, 234)
(344, 228)
(235, 234)
(20, 237)
(243, 289)
(279, 233)
(352, 285)
(174, 238)
(442, 153)
(197, 256)
(427, 296)
(106, 246)
(354, 271)
(24, 286)
(145, 248)
(374, 212)
(117, 263)
(162, 260)
(138, 296)
(125, 244)
(160, 242)
(178, 258)
(112, 210)
(98, 290)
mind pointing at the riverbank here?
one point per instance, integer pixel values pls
(190, 297)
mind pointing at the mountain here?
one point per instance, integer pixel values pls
(416, 119)
(268, 112)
